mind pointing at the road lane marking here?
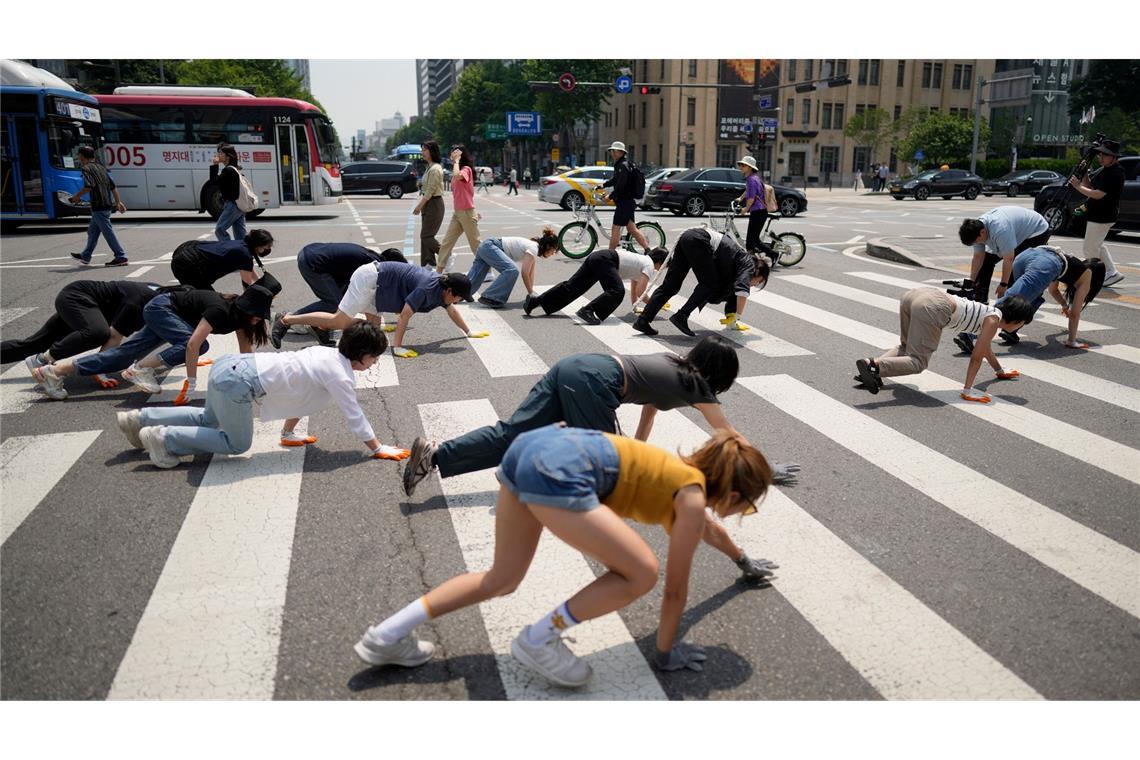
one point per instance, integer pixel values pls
(14, 313)
(754, 339)
(619, 336)
(212, 626)
(1081, 554)
(556, 574)
(504, 353)
(30, 466)
(850, 253)
(220, 345)
(140, 272)
(897, 643)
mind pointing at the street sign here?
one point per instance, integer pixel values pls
(567, 82)
(764, 102)
(494, 132)
(748, 128)
(769, 125)
(555, 154)
(524, 123)
(919, 154)
(1011, 88)
(623, 84)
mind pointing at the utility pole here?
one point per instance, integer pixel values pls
(977, 125)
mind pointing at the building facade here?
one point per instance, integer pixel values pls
(435, 79)
(300, 67)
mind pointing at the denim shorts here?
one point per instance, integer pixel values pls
(563, 467)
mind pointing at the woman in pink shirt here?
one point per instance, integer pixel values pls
(463, 216)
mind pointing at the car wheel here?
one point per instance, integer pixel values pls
(971, 192)
(572, 200)
(789, 206)
(395, 191)
(921, 193)
(695, 205)
(1013, 191)
(1057, 216)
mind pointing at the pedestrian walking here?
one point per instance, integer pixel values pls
(327, 268)
(200, 264)
(625, 199)
(430, 204)
(858, 179)
(1103, 191)
(184, 318)
(392, 287)
(1000, 234)
(104, 200)
(875, 177)
(883, 172)
(485, 177)
(88, 314)
(610, 269)
(527, 177)
(277, 386)
(582, 485)
(924, 314)
(752, 201)
(724, 271)
(229, 181)
(513, 182)
(510, 257)
(464, 219)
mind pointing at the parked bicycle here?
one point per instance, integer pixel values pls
(579, 238)
(786, 249)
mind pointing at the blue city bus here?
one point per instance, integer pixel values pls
(43, 129)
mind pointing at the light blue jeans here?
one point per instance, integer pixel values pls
(231, 216)
(100, 224)
(225, 425)
(490, 255)
(1033, 271)
(161, 325)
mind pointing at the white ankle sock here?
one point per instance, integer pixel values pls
(46, 358)
(552, 625)
(396, 627)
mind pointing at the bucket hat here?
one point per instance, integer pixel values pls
(748, 161)
(618, 145)
(255, 301)
(1109, 147)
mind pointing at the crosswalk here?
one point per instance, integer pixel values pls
(217, 615)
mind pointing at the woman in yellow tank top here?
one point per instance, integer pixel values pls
(580, 484)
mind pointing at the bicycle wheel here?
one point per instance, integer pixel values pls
(577, 239)
(654, 235)
(791, 247)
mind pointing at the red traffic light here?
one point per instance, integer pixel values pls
(646, 90)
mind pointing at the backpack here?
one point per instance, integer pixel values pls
(247, 200)
(770, 199)
(637, 181)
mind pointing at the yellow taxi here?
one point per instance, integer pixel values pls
(571, 188)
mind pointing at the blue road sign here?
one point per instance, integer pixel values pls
(524, 123)
(764, 101)
(748, 128)
(920, 154)
(769, 125)
(623, 84)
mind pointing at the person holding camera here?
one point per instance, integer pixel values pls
(1000, 234)
(1103, 189)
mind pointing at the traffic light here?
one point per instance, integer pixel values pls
(647, 90)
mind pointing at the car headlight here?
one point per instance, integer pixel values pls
(909, 185)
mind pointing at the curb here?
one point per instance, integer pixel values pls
(880, 248)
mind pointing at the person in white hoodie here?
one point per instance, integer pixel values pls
(287, 385)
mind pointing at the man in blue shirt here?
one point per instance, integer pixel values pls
(1000, 233)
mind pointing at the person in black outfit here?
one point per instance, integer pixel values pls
(201, 264)
(611, 269)
(622, 183)
(229, 179)
(1103, 190)
(723, 270)
(328, 268)
(88, 314)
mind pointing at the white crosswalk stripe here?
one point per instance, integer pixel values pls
(897, 643)
(1088, 558)
(212, 627)
(504, 353)
(13, 313)
(556, 574)
(617, 335)
(754, 339)
(30, 466)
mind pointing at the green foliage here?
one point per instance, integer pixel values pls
(486, 90)
(560, 110)
(945, 139)
(872, 128)
(415, 133)
(1110, 83)
(1117, 124)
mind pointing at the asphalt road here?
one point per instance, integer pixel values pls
(930, 550)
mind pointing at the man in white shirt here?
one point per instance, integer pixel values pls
(610, 268)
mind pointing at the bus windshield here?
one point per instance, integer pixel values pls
(326, 140)
(65, 138)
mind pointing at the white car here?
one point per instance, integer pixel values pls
(570, 188)
(659, 176)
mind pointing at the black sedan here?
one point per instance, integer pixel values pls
(712, 189)
(946, 183)
(392, 177)
(1015, 183)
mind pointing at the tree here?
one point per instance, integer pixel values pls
(945, 139)
(872, 128)
(415, 133)
(484, 93)
(562, 110)
(1110, 83)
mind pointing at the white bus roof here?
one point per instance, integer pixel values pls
(25, 74)
(198, 92)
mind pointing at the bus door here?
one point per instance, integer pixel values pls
(22, 172)
(295, 164)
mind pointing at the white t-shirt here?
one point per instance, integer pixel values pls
(361, 294)
(968, 315)
(301, 383)
(632, 265)
(517, 247)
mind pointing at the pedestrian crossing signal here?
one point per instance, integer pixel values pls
(646, 90)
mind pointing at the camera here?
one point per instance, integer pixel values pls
(963, 288)
(1088, 153)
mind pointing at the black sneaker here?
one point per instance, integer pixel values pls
(530, 303)
(79, 257)
(324, 337)
(587, 316)
(642, 325)
(682, 324)
(469, 299)
(869, 375)
(278, 330)
(490, 303)
(1010, 338)
(964, 341)
(117, 263)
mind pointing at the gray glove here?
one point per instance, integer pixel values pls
(756, 569)
(785, 474)
(682, 655)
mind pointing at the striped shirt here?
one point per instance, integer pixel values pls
(968, 315)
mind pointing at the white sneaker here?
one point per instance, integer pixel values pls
(51, 382)
(143, 377)
(130, 423)
(408, 651)
(153, 439)
(553, 660)
(1112, 279)
(32, 362)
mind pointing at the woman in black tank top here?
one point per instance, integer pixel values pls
(1082, 280)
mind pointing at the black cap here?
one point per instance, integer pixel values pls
(1108, 147)
(255, 301)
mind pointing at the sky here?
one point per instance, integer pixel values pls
(358, 93)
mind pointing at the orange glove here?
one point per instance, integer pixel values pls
(292, 439)
(188, 386)
(1075, 344)
(107, 383)
(1009, 374)
(390, 452)
(205, 362)
(973, 394)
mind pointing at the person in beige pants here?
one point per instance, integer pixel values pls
(464, 218)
